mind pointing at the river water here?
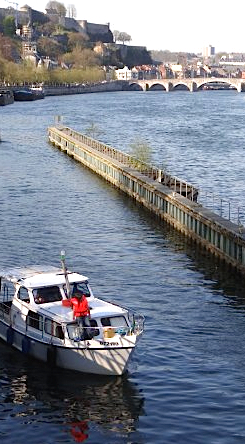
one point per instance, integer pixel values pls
(186, 381)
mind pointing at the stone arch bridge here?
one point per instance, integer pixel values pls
(193, 84)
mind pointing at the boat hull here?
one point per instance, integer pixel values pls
(86, 356)
(6, 98)
(27, 96)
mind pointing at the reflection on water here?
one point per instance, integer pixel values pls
(69, 401)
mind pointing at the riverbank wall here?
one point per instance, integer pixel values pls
(68, 89)
(62, 90)
(171, 199)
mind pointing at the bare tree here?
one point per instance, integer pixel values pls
(121, 37)
(71, 11)
(124, 37)
(116, 35)
(57, 6)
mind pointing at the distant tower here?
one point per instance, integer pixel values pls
(208, 51)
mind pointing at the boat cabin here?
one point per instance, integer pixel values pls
(31, 301)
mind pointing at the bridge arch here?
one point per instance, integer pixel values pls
(180, 86)
(135, 86)
(157, 87)
(212, 84)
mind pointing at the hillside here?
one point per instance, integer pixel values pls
(35, 36)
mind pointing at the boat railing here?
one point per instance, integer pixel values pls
(79, 333)
(136, 319)
(138, 324)
(5, 307)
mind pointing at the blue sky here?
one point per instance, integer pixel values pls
(177, 25)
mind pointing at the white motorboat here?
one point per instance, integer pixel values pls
(34, 320)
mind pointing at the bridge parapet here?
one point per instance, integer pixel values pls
(191, 84)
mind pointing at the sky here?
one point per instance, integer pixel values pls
(175, 25)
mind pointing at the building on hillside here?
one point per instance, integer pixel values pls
(146, 72)
(143, 72)
(177, 70)
(208, 51)
(24, 15)
(124, 74)
(68, 23)
(29, 52)
(165, 71)
(102, 49)
(97, 32)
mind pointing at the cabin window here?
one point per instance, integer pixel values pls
(47, 294)
(34, 320)
(23, 294)
(114, 321)
(53, 328)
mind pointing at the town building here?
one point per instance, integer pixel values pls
(208, 51)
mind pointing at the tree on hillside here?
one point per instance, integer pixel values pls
(121, 37)
(71, 11)
(9, 27)
(9, 48)
(115, 35)
(2, 68)
(77, 40)
(81, 58)
(49, 47)
(47, 29)
(57, 6)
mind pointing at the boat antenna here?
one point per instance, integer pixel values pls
(62, 258)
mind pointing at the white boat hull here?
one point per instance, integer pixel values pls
(86, 356)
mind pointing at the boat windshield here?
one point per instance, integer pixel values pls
(80, 287)
(47, 294)
(114, 321)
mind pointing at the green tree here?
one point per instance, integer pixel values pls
(141, 153)
(9, 28)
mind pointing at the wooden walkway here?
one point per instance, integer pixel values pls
(172, 199)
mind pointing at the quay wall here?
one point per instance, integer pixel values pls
(68, 89)
(220, 236)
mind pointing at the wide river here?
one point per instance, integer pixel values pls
(186, 381)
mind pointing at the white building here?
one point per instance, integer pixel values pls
(123, 74)
(208, 51)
